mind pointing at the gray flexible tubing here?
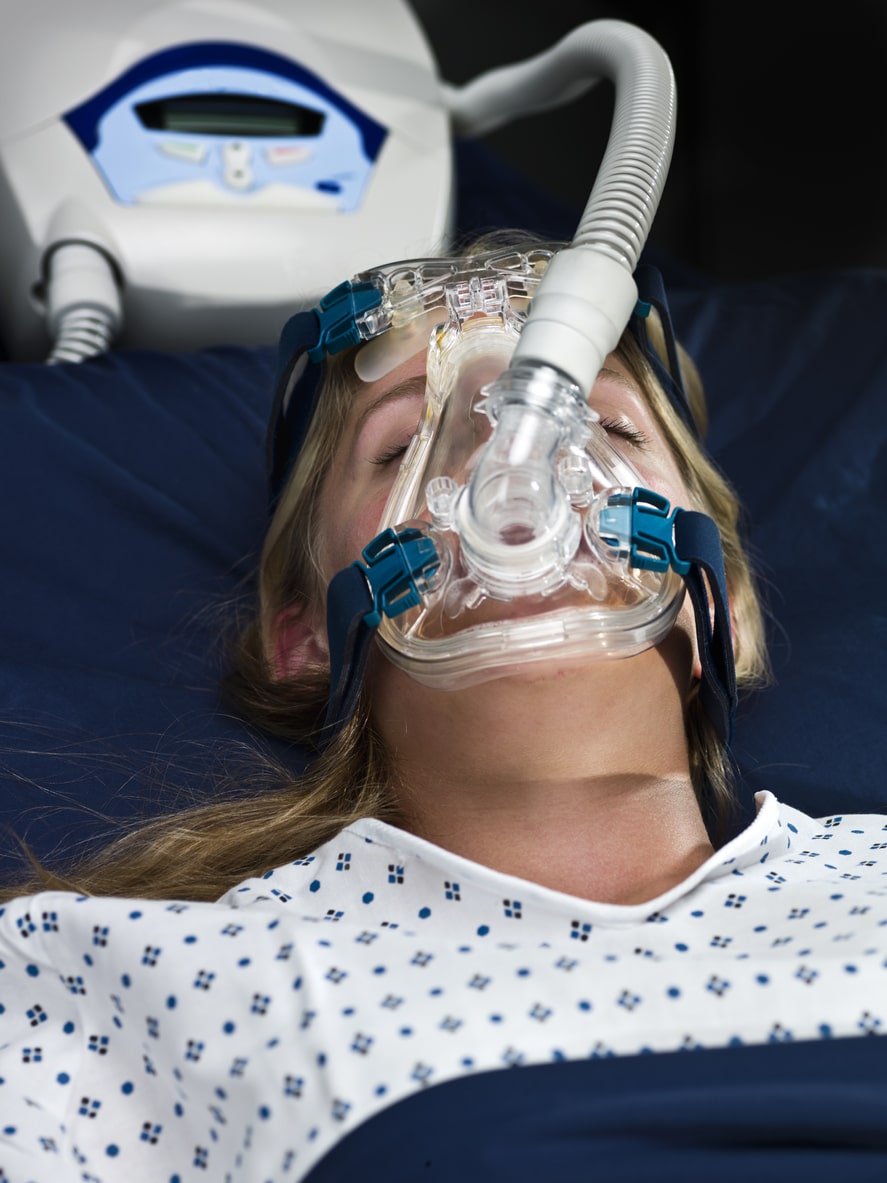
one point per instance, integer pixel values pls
(83, 305)
(626, 192)
(588, 292)
(82, 333)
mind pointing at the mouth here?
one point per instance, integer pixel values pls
(461, 634)
(461, 604)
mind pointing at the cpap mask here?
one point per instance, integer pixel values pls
(515, 484)
(515, 532)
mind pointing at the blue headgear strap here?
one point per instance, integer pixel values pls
(305, 342)
(296, 385)
(651, 294)
(698, 542)
(384, 582)
(350, 631)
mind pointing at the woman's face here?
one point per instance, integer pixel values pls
(385, 415)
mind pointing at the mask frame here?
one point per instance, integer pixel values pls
(575, 589)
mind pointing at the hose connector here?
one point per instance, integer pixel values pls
(516, 524)
(578, 314)
(84, 311)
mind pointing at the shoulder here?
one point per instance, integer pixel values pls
(846, 830)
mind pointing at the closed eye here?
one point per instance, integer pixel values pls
(626, 430)
(613, 426)
(389, 455)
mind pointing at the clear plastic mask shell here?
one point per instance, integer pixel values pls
(469, 629)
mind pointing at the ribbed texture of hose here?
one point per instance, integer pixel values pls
(625, 196)
(83, 303)
(82, 333)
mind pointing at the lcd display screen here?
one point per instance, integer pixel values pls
(229, 115)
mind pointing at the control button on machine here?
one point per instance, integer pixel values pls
(280, 155)
(191, 151)
(237, 161)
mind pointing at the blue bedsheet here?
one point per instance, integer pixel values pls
(805, 1111)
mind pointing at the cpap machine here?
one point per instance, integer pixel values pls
(181, 174)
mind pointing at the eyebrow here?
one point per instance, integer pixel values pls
(408, 388)
(615, 376)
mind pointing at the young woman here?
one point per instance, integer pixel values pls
(520, 869)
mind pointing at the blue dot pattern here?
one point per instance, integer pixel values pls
(156, 1041)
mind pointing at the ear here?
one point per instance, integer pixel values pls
(297, 642)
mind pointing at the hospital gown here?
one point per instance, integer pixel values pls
(241, 1040)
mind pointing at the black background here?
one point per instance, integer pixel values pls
(779, 164)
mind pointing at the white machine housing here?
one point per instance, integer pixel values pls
(229, 160)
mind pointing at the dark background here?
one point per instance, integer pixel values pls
(779, 165)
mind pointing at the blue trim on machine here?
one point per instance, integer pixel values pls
(84, 120)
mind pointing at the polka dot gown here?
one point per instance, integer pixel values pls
(172, 1042)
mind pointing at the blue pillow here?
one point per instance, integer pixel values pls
(132, 501)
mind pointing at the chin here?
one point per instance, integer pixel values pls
(590, 676)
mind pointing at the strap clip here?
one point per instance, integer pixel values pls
(396, 564)
(641, 525)
(337, 315)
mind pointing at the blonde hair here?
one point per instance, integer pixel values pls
(265, 815)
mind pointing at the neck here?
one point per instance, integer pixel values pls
(552, 777)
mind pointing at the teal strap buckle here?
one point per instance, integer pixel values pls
(641, 524)
(394, 564)
(337, 315)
